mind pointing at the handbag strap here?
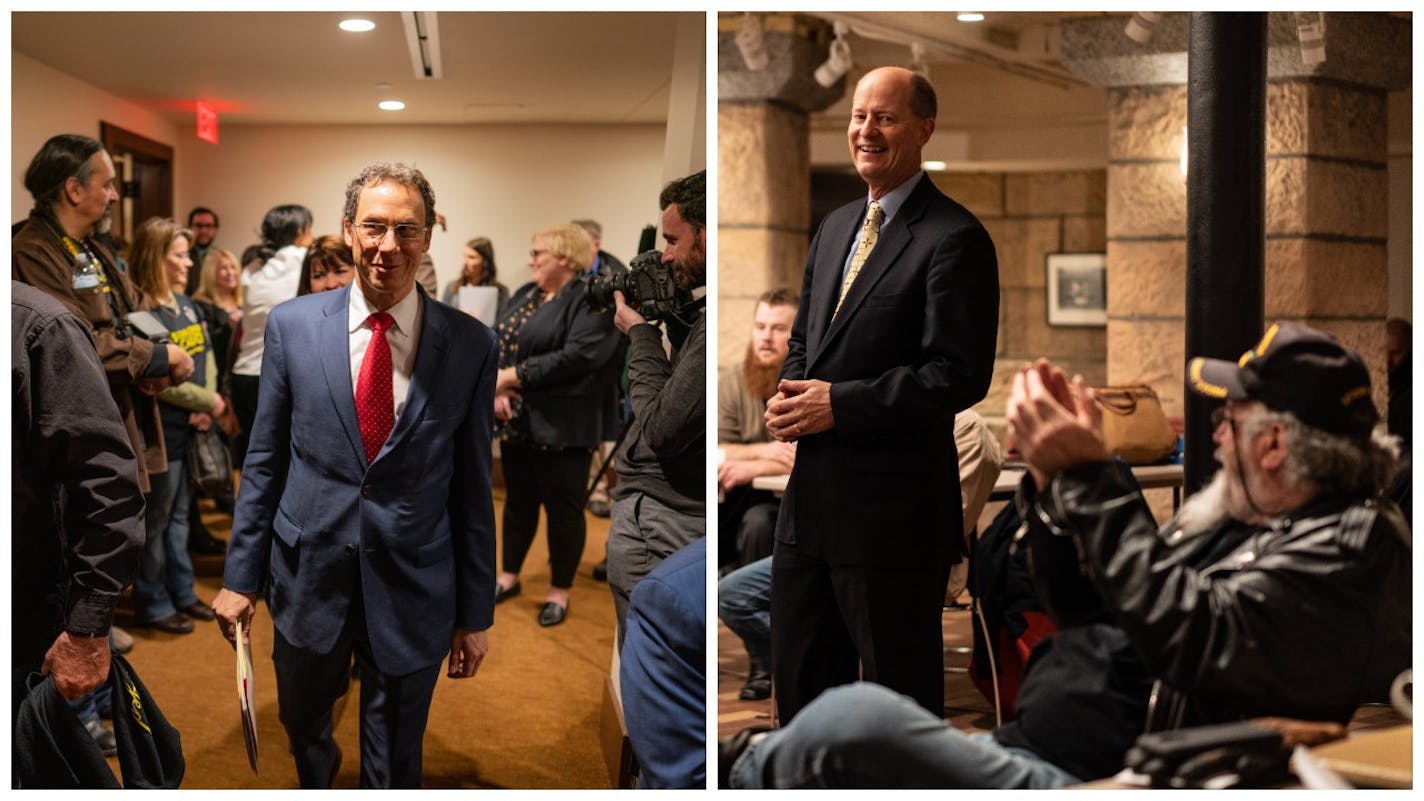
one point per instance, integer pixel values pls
(1118, 400)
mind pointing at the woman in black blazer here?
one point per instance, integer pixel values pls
(551, 398)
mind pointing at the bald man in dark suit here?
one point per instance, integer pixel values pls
(895, 333)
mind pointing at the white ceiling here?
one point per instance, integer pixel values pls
(298, 67)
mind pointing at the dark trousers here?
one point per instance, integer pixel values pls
(554, 479)
(835, 624)
(746, 526)
(394, 709)
(244, 405)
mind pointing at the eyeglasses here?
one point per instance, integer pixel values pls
(534, 254)
(373, 232)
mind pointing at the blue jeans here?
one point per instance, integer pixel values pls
(865, 736)
(744, 604)
(165, 571)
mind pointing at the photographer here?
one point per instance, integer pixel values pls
(659, 502)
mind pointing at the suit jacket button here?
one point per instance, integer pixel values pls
(351, 549)
(365, 490)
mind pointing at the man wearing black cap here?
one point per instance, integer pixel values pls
(1280, 590)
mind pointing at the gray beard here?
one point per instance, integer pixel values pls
(105, 223)
(1207, 507)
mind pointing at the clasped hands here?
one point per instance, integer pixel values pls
(1054, 423)
(799, 409)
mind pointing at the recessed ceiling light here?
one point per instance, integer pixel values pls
(934, 166)
(970, 16)
(391, 105)
(357, 25)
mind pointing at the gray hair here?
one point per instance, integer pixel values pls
(385, 171)
(1331, 463)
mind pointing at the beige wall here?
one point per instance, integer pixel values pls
(45, 102)
(500, 181)
(503, 182)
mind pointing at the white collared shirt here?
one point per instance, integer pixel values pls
(403, 337)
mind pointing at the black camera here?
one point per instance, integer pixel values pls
(649, 284)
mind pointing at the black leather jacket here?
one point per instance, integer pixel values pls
(1306, 618)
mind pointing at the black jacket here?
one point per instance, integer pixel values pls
(1307, 618)
(78, 512)
(568, 398)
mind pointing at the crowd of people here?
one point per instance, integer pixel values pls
(175, 335)
(364, 413)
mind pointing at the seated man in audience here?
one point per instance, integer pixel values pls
(747, 517)
(1282, 588)
(744, 596)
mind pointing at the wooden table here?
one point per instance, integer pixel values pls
(1157, 476)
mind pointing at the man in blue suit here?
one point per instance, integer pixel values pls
(365, 511)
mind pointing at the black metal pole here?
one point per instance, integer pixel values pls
(1226, 205)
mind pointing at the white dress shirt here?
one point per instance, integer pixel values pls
(403, 337)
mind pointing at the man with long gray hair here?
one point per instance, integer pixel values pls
(1282, 590)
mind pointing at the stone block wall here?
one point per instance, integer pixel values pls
(1030, 215)
(1326, 224)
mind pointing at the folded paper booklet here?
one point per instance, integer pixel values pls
(244, 697)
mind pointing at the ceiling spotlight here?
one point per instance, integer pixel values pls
(934, 166)
(970, 16)
(838, 63)
(749, 41)
(391, 105)
(1139, 28)
(356, 25)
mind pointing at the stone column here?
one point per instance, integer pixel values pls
(764, 165)
(1326, 185)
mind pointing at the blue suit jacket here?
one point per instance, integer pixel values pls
(414, 531)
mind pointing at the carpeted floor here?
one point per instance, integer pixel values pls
(529, 719)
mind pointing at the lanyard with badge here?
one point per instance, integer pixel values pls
(88, 270)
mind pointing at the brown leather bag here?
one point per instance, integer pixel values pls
(1134, 424)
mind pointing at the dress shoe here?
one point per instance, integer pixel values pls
(729, 748)
(758, 686)
(120, 641)
(173, 624)
(552, 614)
(600, 571)
(501, 594)
(199, 611)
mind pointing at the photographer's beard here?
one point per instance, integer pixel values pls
(691, 272)
(761, 377)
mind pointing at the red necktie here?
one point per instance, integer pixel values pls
(375, 400)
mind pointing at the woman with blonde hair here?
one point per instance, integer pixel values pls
(551, 396)
(163, 591)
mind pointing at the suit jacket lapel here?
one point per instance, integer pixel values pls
(333, 341)
(826, 285)
(893, 239)
(429, 361)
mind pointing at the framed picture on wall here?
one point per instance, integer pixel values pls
(1077, 289)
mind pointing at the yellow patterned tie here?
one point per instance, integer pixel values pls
(868, 236)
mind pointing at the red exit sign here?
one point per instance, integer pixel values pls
(207, 122)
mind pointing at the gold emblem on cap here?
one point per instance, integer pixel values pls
(1354, 395)
(1260, 346)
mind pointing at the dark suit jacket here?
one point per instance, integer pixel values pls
(913, 344)
(416, 527)
(568, 394)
